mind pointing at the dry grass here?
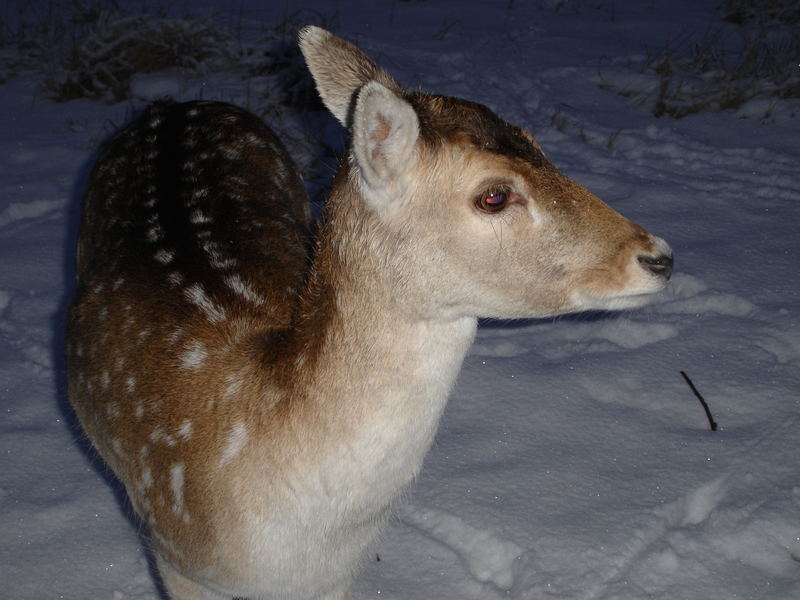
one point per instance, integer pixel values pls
(703, 77)
(726, 68)
(92, 48)
(116, 48)
(761, 13)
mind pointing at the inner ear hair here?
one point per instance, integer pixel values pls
(385, 131)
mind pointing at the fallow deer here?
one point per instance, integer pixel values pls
(265, 392)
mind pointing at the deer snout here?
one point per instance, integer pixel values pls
(660, 264)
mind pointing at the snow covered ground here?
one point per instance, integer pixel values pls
(573, 461)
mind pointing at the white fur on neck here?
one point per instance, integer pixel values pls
(330, 513)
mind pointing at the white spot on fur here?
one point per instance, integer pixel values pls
(244, 289)
(233, 385)
(139, 411)
(130, 384)
(197, 295)
(118, 283)
(144, 482)
(234, 444)
(141, 485)
(230, 152)
(175, 278)
(158, 435)
(252, 139)
(164, 256)
(147, 477)
(106, 379)
(155, 233)
(215, 257)
(176, 480)
(198, 217)
(116, 444)
(218, 262)
(193, 356)
(185, 430)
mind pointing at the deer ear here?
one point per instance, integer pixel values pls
(339, 70)
(384, 134)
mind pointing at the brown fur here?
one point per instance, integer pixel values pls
(222, 367)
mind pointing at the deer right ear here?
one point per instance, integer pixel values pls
(339, 70)
(385, 132)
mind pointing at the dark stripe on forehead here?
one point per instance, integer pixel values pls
(457, 121)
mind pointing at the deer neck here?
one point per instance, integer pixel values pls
(377, 369)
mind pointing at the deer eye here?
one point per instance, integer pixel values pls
(492, 201)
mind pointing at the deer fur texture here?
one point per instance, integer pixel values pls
(264, 390)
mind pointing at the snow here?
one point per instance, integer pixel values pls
(572, 461)
(152, 86)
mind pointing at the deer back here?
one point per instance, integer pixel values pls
(193, 248)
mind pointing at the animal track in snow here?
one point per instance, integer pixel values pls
(724, 519)
(783, 345)
(500, 348)
(688, 295)
(487, 557)
(689, 510)
(5, 299)
(564, 338)
(29, 210)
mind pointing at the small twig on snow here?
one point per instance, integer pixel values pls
(711, 423)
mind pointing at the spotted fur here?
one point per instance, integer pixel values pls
(265, 402)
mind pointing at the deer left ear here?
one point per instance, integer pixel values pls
(385, 130)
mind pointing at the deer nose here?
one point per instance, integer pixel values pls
(659, 265)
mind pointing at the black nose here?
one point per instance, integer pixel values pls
(660, 265)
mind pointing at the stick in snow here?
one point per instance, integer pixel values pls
(711, 423)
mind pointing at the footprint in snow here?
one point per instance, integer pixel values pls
(687, 294)
(487, 557)
(17, 211)
(5, 300)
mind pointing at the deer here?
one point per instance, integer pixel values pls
(266, 388)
